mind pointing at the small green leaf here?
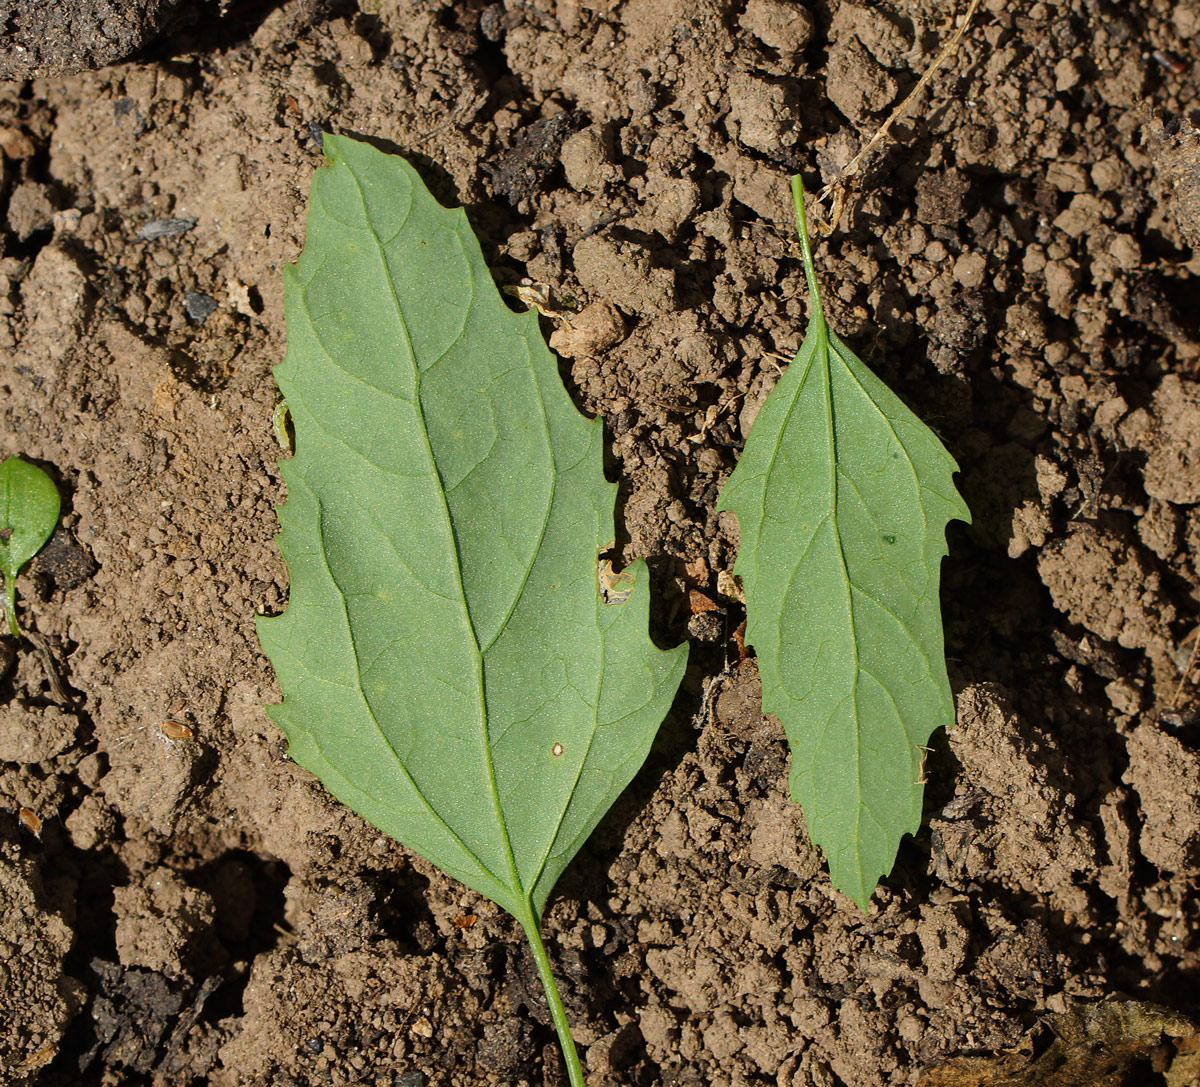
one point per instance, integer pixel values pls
(29, 506)
(449, 667)
(843, 496)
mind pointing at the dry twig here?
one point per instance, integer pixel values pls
(836, 189)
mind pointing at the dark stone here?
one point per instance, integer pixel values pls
(198, 305)
(164, 228)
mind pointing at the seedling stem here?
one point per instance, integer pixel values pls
(817, 313)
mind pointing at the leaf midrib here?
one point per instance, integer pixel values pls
(447, 527)
(822, 331)
(523, 894)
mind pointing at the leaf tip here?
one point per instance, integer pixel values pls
(331, 147)
(854, 884)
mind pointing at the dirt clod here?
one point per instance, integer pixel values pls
(34, 733)
(163, 924)
(37, 997)
(590, 332)
(69, 36)
(784, 27)
(1175, 149)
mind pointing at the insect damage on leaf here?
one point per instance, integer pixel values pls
(446, 504)
(842, 497)
(29, 508)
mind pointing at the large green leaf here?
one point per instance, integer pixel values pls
(449, 667)
(842, 497)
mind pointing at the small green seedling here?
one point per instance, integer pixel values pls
(450, 668)
(29, 507)
(842, 497)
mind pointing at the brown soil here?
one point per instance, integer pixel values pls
(180, 905)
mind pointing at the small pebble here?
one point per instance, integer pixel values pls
(969, 269)
(164, 228)
(198, 305)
